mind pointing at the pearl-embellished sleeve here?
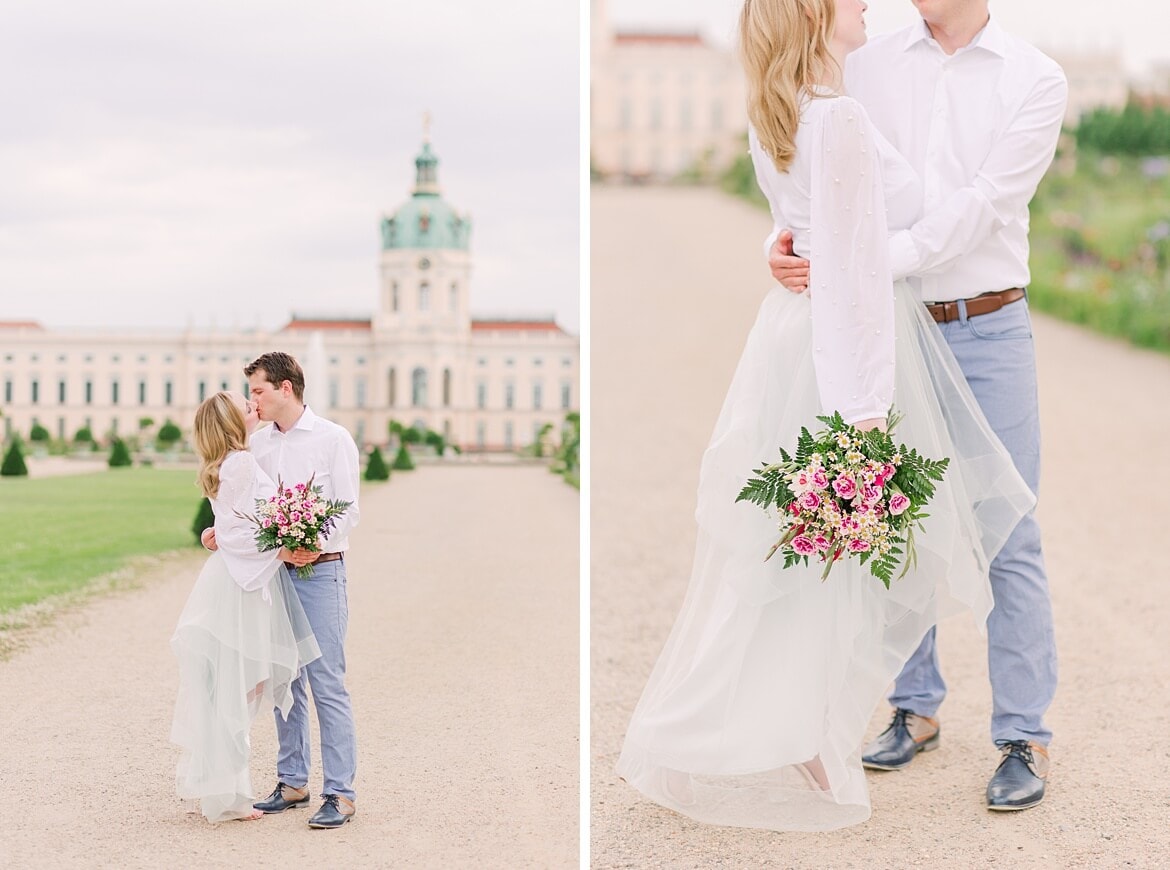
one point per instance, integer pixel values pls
(241, 482)
(849, 273)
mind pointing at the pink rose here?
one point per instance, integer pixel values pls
(858, 546)
(300, 487)
(267, 522)
(898, 503)
(296, 516)
(794, 507)
(810, 501)
(888, 471)
(845, 487)
(820, 479)
(803, 545)
(871, 494)
(822, 543)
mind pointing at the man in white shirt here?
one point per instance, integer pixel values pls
(299, 445)
(977, 113)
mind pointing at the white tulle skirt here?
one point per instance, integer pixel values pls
(238, 654)
(769, 678)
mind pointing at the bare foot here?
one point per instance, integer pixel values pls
(251, 817)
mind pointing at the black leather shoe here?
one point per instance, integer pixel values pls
(334, 813)
(1018, 783)
(897, 746)
(283, 797)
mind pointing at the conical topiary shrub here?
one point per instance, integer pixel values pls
(13, 465)
(403, 462)
(120, 455)
(376, 468)
(204, 519)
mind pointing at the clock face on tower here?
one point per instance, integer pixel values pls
(424, 263)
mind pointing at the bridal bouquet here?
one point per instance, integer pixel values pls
(847, 493)
(295, 518)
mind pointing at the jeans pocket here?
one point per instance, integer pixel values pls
(1011, 321)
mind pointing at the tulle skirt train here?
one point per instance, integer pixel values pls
(238, 654)
(755, 713)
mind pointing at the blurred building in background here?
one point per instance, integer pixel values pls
(420, 358)
(663, 104)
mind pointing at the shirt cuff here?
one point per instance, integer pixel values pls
(770, 241)
(904, 258)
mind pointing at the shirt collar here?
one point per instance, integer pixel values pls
(307, 421)
(990, 38)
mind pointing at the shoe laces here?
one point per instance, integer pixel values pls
(1020, 749)
(899, 719)
(331, 799)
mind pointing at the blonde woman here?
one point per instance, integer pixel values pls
(243, 636)
(756, 711)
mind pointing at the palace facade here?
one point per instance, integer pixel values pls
(420, 358)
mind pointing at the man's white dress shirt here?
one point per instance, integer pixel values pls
(980, 127)
(314, 446)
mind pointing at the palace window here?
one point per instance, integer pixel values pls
(508, 435)
(418, 388)
(480, 434)
(509, 396)
(392, 391)
(7, 391)
(89, 392)
(566, 396)
(446, 388)
(61, 392)
(202, 390)
(333, 389)
(481, 395)
(142, 392)
(424, 296)
(168, 392)
(360, 392)
(394, 296)
(537, 396)
(36, 390)
(453, 297)
(114, 391)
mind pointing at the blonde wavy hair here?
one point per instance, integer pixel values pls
(219, 429)
(784, 48)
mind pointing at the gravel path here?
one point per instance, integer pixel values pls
(463, 667)
(677, 276)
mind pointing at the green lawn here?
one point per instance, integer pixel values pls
(62, 532)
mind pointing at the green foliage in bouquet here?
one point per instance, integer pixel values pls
(376, 468)
(120, 455)
(13, 465)
(204, 519)
(837, 476)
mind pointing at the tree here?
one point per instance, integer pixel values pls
(13, 465)
(436, 440)
(169, 434)
(84, 435)
(567, 459)
(38, 433)
(541, 438)
(376, 468)
(411, 436)
(204, 518)
(120, 455)
(403, 462)
(145, 422)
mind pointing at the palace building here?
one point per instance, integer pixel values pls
(420, 358)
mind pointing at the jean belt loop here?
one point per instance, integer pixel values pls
(962, 311)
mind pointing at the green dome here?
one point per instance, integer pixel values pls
(426, 220)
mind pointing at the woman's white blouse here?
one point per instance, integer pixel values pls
(241, 482)
(834, 198)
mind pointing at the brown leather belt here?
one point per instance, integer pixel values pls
(984, 303)
(324, 557)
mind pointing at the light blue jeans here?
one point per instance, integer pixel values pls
(996, 354)
(323, 595)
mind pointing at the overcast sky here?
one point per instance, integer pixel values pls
(229, 162)
(1138, 27)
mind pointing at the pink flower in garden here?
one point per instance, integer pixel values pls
(845, 487)
(803, 545)
(898, 503)
(810, 501)
(820, 479)
(858, 546)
